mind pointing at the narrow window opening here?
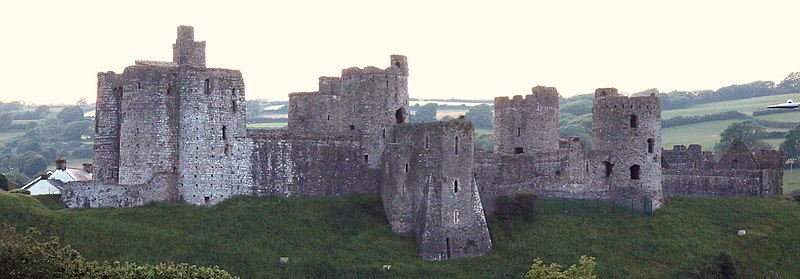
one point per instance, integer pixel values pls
(634, 121)
(456, 145)
(406, 167)
(352, 127)
(366, 158)
(206, 200)
(455, 217)
(427, 141)
(224, 132)
(635, 171)
(233, 91)
(207, 86)
(138, 85)
(447, 243)
(519, 132)
(518, 150)
(384, 133)
(455, 186)
(169, 89)
(354, 108)
(609, 168)
(400, 115)
(234, 108)
(329, 117)
(650, 143)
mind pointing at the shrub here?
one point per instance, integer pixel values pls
(20, 191)
(584, 270)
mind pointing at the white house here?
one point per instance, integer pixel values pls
(51, 182)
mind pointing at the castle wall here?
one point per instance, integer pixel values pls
(429, 189)
(285, 164)
(717, 183)
(529, 124)
(312, 112)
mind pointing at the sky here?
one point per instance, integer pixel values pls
(51, 51)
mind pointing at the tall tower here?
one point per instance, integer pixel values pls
(186, 51)
(529, 124)
(106, 128)
(373, 101)
(628, 130)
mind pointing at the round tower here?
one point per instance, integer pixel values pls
(628, 131)
(529, 124)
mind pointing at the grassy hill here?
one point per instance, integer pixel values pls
(348, 237)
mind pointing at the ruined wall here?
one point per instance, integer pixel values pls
(313, 112)
(285, 164)
(429, 189)
(717, 183)
(186, 51)
(528, 124)
(96, 194)
(628, 130)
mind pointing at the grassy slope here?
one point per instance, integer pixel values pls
(349, 237)
(746, 106)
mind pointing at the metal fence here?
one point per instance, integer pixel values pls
(564, 206)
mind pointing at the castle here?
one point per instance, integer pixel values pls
(176, 131)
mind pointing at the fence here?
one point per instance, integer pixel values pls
(564, 206)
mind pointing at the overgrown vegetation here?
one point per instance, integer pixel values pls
(348, 237)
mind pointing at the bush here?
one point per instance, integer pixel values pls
(20, 191)
(584, 270)
(28, 256)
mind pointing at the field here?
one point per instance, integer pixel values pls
(746, 106)
(266, 126)
(348, 237)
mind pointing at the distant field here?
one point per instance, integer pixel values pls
(266, 125)
(705, 134)
(793, 116)
(421, 103)
(5, 137)
(452, 113)
(746, 106)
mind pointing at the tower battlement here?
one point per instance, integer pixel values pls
(186, 51)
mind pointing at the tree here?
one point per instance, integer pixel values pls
(484, 142)
(579, 107)
(482, 116)
(5, 120)
(426, 113)
(4, 183)
(42, 111)
(70, 114)
(749, 131)
(791, 143)
(584, 270)
(31, 163)
(76, 130)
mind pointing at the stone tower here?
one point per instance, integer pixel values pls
(370, 101)
(528, 124)
(628, 130)
(106, 128)
(429, 189)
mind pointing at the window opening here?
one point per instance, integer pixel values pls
(427, 141)
(207, 86)
(406, 167)
(400, 115)
(366, 158)
(519, 132)
(456, 145)
(609, 168)
(635, 171)
(224, 132)
(352, 127)
(518, 150)
(650, 143)
(455, 186)
(634, 121)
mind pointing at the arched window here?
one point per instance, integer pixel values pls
(635, 171)
(400, 115)
(650, 143)
(634, 121)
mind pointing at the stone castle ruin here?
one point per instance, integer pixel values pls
(175, 131)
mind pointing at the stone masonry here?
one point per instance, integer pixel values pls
(175, 131)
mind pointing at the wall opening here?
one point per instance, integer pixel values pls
(329, 117)
(227, 150)
(406, 167)
(352, 127)
(455, 186)
(558, 173)
(518, 150)
(400, 115)
(224, 132)
(456, 145)
(233, 91)
(366, 158)
(650, 145)
(427, 141)
(635, 171)
(609, 168)
(206, 200)
(234, 108)
(634, 121)
(207, 87)
(384, 133)
(519, 131)
(455, 216)
(734, 164)
(447, 243)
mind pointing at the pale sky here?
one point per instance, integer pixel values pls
(51, 51)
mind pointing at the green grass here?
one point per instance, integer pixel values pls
(348, 237)
(746, 106)
(5, 137)
(266, 125)
(705, 134)
(791, 179)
